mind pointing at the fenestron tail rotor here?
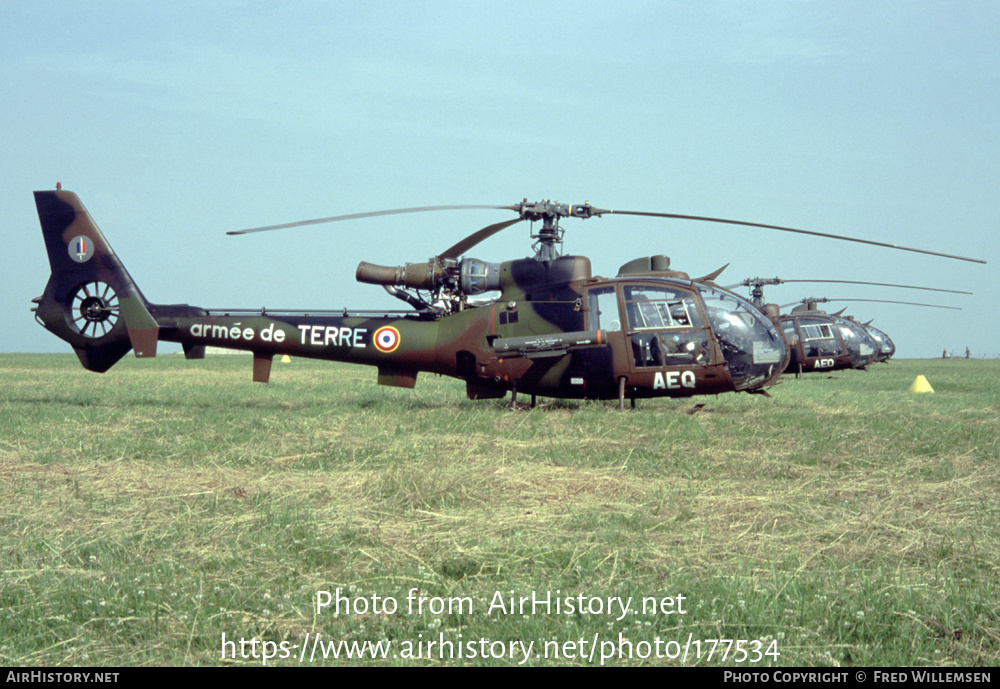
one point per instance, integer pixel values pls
(94, 309)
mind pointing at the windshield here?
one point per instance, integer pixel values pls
(754, 349)
(859, 343)
(886, 347)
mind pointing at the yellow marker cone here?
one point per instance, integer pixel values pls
(286, 360)
(921, 385)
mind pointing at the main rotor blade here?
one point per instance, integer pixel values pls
(908, 303)
(370, 214)
(477, 237)
(884, 284)
(674, 216)
(751, 283)
(883, 301)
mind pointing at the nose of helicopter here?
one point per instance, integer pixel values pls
(860, 344)
(755, 350)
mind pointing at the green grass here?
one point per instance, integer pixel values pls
(148, 511)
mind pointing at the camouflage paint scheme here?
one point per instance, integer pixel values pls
(541, 336)
(822, 342)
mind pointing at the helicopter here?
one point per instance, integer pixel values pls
(555, 330)
(885, 348)
(829, 342)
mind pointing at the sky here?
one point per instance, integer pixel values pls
(177, 122)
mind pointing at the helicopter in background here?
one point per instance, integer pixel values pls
(886, 348)
(829, 342)
(826, 342)
(554, 329)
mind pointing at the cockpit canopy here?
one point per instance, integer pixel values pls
(669, 322)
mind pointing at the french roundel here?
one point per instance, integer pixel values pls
(386, 339)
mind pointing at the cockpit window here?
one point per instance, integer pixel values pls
(885, 345)
(656, 307)
(665, 327)
(819, 337)
(751, 344)
(603, 304)
(791, 334)
(860, 345)
(817, 332)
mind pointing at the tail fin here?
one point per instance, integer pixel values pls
(90, 301)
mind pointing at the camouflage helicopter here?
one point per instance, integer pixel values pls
(555, 330)
(829, 342)
(805, 313)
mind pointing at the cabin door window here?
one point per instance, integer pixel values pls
(665, 328)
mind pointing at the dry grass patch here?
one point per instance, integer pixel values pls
(143, 513)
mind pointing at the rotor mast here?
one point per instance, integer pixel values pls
(757, 289)
(550, 236)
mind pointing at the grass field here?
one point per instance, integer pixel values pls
(147, 512)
